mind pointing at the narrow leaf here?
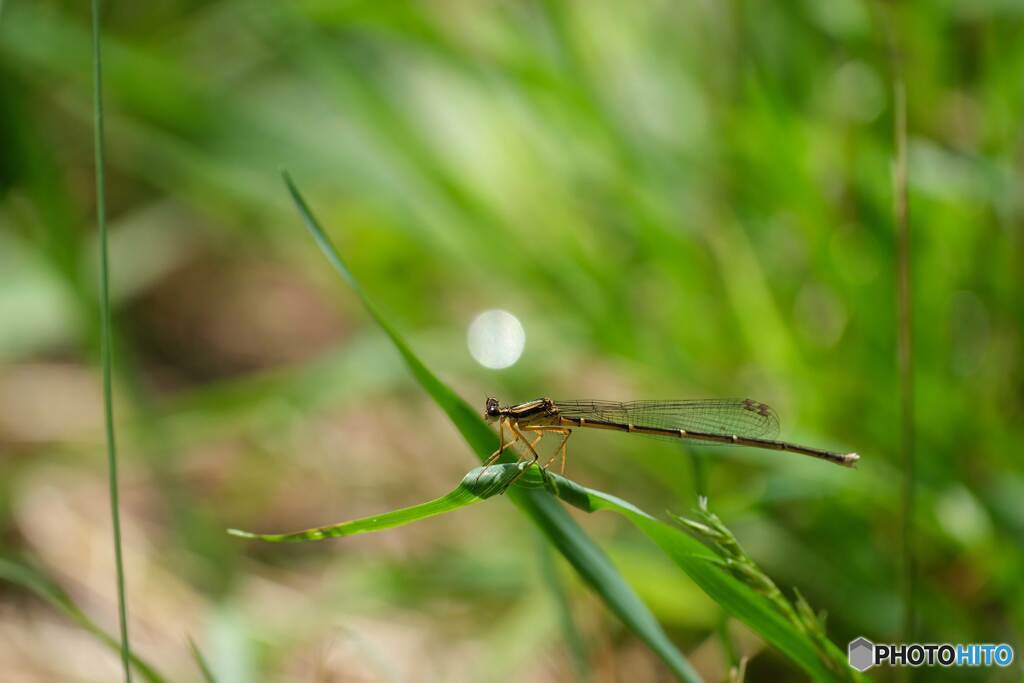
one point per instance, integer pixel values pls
(204, 668)
(34, 581)
(700, 563)
(481, 483)
(562, 531)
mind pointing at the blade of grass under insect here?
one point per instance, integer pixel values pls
(204, 668)
(560, 529)
(702, 565)
(105, 334)
(471, 490)
(31, 579)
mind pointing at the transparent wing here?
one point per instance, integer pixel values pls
(739, 416)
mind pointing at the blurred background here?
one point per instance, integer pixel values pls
(675, 200)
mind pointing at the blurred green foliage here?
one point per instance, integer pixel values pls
(677, 199)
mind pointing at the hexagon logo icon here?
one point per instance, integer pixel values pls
(861, 653)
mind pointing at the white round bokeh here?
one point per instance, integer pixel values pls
(496, 339)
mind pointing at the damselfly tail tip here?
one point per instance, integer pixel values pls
(850, 459)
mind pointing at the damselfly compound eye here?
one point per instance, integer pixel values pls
(496, 339)
(491, 408)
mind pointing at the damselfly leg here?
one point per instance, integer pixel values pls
(503, 445)
(529, 445)
(561, 450)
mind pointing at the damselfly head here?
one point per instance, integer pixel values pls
(491, 410)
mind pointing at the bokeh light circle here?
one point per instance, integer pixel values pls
(496, 339)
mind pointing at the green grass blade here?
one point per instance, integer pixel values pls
(905, 341)
(700, 563)
(106, 335)
(31, 579)
(705, 568)
(466, 419)
(735, 597)
(554, 522)
(479, 484)
(204, 668)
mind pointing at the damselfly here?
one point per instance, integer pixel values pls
(742, 422)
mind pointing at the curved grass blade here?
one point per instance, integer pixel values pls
(32, 580)
(709, 571)
(712, 574)
(716, 576)
(562, 531)
(479, 484)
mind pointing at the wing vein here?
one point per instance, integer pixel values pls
(742, 417)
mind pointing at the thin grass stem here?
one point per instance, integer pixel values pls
(890, 22)
(904, 297)
(201, 662)
(106, 353)
(905, 304)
